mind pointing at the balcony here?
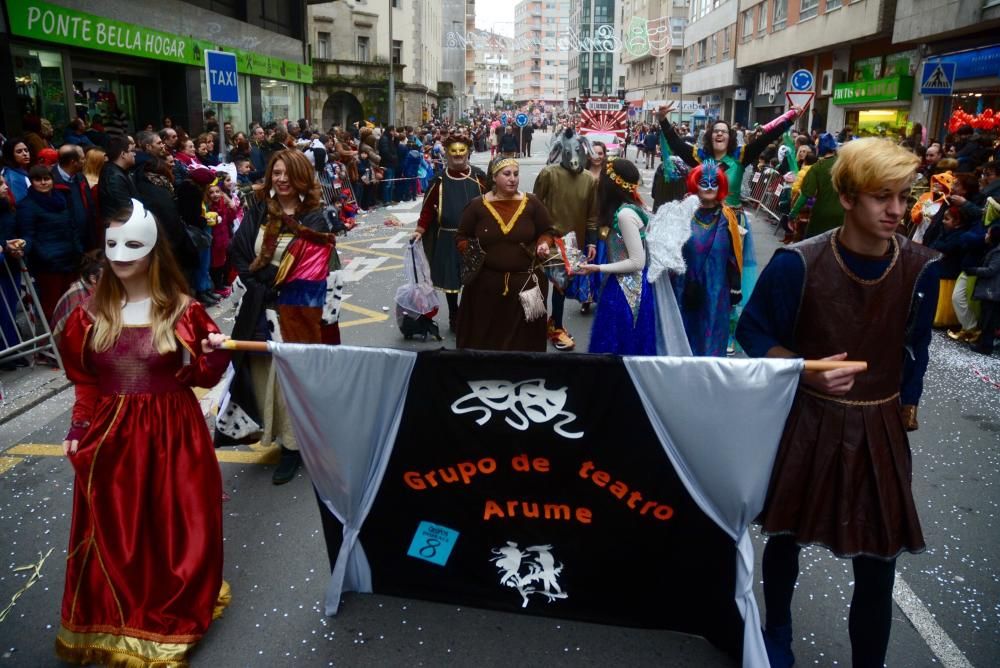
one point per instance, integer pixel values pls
(348, 72)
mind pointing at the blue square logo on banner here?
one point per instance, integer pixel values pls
(432, 543)
(220, 75)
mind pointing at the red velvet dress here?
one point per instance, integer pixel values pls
(144, 568)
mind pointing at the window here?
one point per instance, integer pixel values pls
(761, 18)
(780, 13)
(748, 25)
(397, 51)
(323, 45)
(833, 4)
(808, 9)
(715, 46)
(725, 41)
(40, 84)
(702, 47)
(677, 26)
(363, 52)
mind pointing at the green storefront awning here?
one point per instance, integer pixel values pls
(68, 27)
(890, 89)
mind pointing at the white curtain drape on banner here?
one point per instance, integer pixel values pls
(719, 421)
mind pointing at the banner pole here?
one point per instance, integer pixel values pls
(810, 365)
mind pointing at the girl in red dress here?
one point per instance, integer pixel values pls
(144, 566)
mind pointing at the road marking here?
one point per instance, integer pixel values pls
(391, 267)
(366, 251)
(7, 463)
(371, 316)
(398, 240)
(359, 267)
(257, 456)
(923, 621)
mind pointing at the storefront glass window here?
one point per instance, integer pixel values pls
(280, 101)
(41, 90)
(237, 114)
(891, 123)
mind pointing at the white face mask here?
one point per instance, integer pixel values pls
(134, 239)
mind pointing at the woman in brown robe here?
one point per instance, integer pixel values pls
(514, 230)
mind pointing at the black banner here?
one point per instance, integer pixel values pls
(550, 497)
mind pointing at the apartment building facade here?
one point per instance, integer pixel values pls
(710, 75)
(652, 33)
(494, 85)
(539, 57)
(352, 49)
(594, 68)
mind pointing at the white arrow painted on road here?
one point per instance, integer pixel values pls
(398, 241)
(359, 267)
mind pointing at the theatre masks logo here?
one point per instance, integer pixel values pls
(528, 401)
(531, 571)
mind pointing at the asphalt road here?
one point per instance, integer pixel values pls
(276, 561)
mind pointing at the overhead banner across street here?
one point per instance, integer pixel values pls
(606, 489)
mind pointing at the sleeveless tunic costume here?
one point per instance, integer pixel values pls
(144, 565)
(442, 212)
(843, 470)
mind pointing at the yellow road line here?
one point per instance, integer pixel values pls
(372, 316)
(36, 450)
(256, 456)
(361, 241)
(388, 267)
(7, 463)
(367, 251)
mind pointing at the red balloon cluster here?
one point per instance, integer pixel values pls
(987, 120)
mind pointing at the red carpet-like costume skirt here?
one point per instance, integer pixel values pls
(144, 567)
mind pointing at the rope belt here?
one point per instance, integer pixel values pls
(848, 402)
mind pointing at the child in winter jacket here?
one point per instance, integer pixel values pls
(220, 213)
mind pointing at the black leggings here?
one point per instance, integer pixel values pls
(558, 306)
(871, 606)
(452, 298)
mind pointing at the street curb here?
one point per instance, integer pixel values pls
(43, 393)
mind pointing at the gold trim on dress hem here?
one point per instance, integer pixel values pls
(225, 598)
(120, 651)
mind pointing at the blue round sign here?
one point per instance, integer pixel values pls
(802, 80)
(503, 118)
(521, 120)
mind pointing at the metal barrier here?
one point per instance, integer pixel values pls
(765, 191)
(31, 335)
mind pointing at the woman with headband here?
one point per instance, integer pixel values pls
(513, 229)
(625, 323)
(144, 564)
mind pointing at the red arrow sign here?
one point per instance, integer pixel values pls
(800, 99)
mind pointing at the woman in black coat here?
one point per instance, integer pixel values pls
(53, 242)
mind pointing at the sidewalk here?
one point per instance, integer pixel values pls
(24, 388)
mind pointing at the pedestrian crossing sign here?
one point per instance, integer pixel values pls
(937, 78)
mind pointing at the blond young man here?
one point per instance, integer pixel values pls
(841, 478)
